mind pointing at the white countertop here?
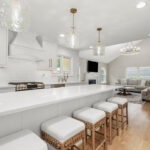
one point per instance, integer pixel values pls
(14, 102)
(3, 86)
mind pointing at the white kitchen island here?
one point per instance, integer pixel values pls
(28, 109)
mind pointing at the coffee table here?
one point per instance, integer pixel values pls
(124, 91)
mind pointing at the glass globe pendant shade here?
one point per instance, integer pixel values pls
(4, 11)
(16, 16)
(100, 50)
(73, 40)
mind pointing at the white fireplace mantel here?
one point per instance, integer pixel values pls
(92, 76)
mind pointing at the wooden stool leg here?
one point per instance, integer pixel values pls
(93, 138)
(127, 114)
(110, 129)
(86, 134)
(117, 123)
(122, 118)
(62, 147)
(105, 136)
(84, 143)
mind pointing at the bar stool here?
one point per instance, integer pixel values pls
(63, 132)
(111, 111)
(122, 104)
(93, 120)
(23, 140)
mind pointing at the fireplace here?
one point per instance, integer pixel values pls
(92, 81)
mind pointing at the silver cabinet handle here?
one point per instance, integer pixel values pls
(50, 63)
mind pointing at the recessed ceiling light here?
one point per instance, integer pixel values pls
(61, 35)
(149, 34)
(141, 4)
(91, 47)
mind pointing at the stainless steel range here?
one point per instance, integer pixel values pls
(22, 86)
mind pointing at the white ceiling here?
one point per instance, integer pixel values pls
(111, 53)
(120, 19)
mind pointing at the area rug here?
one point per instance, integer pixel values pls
(133, 98)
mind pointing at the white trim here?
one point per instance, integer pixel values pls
(27, 47)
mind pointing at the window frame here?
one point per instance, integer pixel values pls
(61, 72)
(105, 75)
(138, 76)
(132, 68)
(140, 73)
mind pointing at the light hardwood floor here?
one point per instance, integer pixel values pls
(137, 135)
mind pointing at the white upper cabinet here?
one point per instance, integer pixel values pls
(3, 47)
(50, 52)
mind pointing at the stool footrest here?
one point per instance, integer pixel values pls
(121, 115)
(74, 146)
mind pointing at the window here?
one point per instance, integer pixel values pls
(132, 73)
(144, 72)
(58, 64)
(138, 73)
(64, 64)
(103, 75)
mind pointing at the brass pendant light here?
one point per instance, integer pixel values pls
(100, 49)
(72, 39)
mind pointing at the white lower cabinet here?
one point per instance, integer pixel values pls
(3, 47)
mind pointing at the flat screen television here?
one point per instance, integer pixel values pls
(92, 66)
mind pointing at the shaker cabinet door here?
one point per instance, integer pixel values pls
(3, 47)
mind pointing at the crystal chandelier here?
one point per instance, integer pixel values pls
(130, 49)
(72, 38)
(14, 14)
(100, 49)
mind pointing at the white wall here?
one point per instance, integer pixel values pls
(75, 59)
(47, 76)
(83, 69)
(23, 70)
(117, 68)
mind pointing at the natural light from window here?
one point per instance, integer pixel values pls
(103, 75)
(64, 64)
(138, 73)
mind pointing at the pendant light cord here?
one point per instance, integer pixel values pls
(99, 36)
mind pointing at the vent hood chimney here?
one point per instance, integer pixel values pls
(26, 45)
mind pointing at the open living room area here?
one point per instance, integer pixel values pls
(74, 75)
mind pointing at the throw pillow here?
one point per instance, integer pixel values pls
(143, 82)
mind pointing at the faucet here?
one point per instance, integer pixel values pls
(63, 78)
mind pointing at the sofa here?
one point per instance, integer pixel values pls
(146, 94)
(135, 85)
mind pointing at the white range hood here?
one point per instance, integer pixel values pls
(26, 46)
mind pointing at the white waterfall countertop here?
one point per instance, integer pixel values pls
(14, 102)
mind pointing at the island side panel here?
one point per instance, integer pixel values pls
(32, 119)
(10, 124)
